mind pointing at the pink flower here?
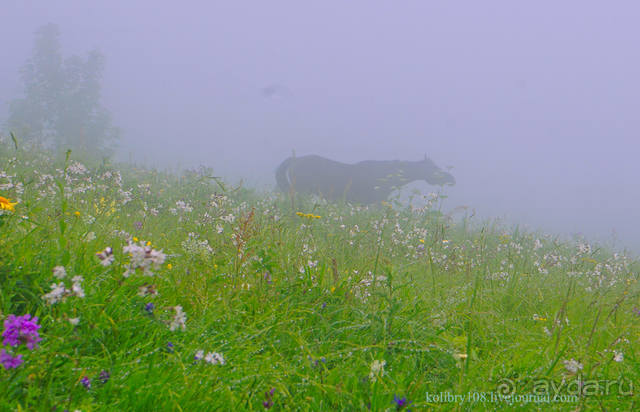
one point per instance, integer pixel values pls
(8, 361)
(20, 329)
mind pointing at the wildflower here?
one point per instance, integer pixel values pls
(6, 204)
(308, 215)
(142, 257)
(230, 218)
(170, 347)
(104, 376)
(572, 365)
(401, 403)
(147, 289)
(59, 272)
(76, 289)
(377, 369)
(149, 308)
(179, 319)
(618, 356)
(21, 329)
(138, 225)
(76, 213)
(106, 256)
(74, 321)
(269, 396)
(636, 311)
(199, 355)
(156, 257)
(56, 294)
(86, 382)
(8, 361)
(169, 266)
(185, 207)
(214, 358)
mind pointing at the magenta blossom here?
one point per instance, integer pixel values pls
(21, 329)
(9, 361)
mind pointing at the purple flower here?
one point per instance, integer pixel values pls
(401, 403)
(637, 311)
(20, 329)
(86, 382)
(8, 361)
(269, 396)
(138, 225)
(149, 308)
(170, 347)
(104, 376)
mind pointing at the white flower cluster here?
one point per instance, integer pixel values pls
(59, 290)
(179, 319)
(185, 207)
(106, 256)
(213, 358)
(143, 257)
(195, 246)
(377, 369)
(572, 365)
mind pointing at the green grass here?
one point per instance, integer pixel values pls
(301, 304)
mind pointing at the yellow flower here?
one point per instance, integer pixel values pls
(135, 239)
(76, 213)
(148, 243)
(421, 240)
(5, 204)
(333, 289)
(169, 265)
(308, 215)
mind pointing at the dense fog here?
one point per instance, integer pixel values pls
(534, 104)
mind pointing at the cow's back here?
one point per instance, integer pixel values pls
(316, 174)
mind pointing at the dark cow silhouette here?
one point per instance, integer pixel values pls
(366, 182)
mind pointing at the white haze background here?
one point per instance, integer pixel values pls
(535, 104)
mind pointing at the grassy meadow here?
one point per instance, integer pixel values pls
(157, 291)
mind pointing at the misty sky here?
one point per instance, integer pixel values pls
(534, 104)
